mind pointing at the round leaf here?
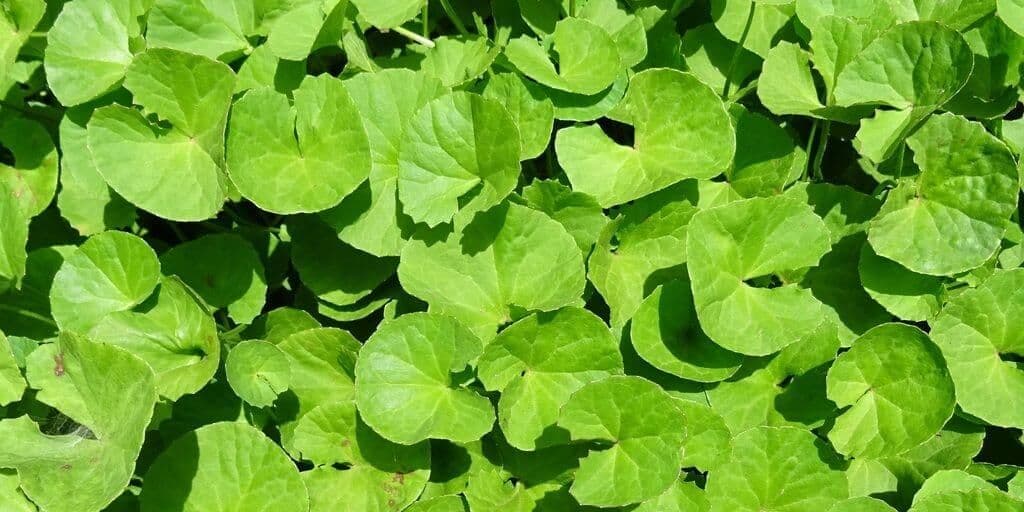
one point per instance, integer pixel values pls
(407, 386)
(645, 429)
(297, 158)
(223, 467)
(457, 144)
(537, 363)
(112, 271)
(897, 389)
(258, 371)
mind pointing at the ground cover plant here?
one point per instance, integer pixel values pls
(510, 256)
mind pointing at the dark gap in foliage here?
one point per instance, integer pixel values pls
(1010, 357)
(1016, 113)
(769, 281)
(1001, 446)
(621, 133)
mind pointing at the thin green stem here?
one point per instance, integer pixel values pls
(810, 147)
(819, 152)
(426, 19)
(454, 16)
(899, 160)
(572, 8)
(177, 231)
(736, 52)
(414, 36)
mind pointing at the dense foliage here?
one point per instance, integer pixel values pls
(551, 255)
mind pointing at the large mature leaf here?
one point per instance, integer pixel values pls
(371, 218)
(777, 469)
(90, 47)
(123, 141)
(897, 389)
(110, 395)
(408, 386)
(751, 240)
(976, 331)
(173, 334)
(645, 429)
(509, 260)
(682, 131)
(537, 363)
(951, 217)
(221, 468)
(304, 157)
(112, 271)
(458, 153)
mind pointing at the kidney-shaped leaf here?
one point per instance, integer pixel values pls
(682, 131)
(258, 372)
(777, 469)
(741, 244)
(298, 158)
(646, 431)
(537, 363)
(408, 384)
(457, 144)
(951, 218)
(223, 467)
(111, 271)
(588, 58)
(510, 257)
(105, 390)
(975, 331)
(897, 389)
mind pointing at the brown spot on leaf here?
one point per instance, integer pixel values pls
(65, 467)
(58, 365)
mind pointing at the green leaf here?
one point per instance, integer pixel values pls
(111, 271)
(457, 61)
(627, 30)
(108, 396)
(371, 219)
(17, 21)
(665, 333)
(975, 331)
(531, 111)
(325, 358)
(458, 153)
(745, 241)
(770, 159)
(223, 467)
(12, 384)
(172, 333)
(588, 57)
(32, 177)
(306, 26)
(987, 500)
(537, 363)
(90, 47)
(902, 292)
(645, 429)
(314, 152)
(861, 504)
(324, 262)
(951, 480)
(224, 270)
(407, 384)
(754, 24)
(577, 212)
(682, 131)
(85, 199)
(896, 390)
(938, 223)
(1012, 13)
(509, 259)
(385, 14)
(13, 237)
(203, 27)
(777, 469)
(379, 475)
(196, 105)
(708, 440)
(646, 245)
(258, 371)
